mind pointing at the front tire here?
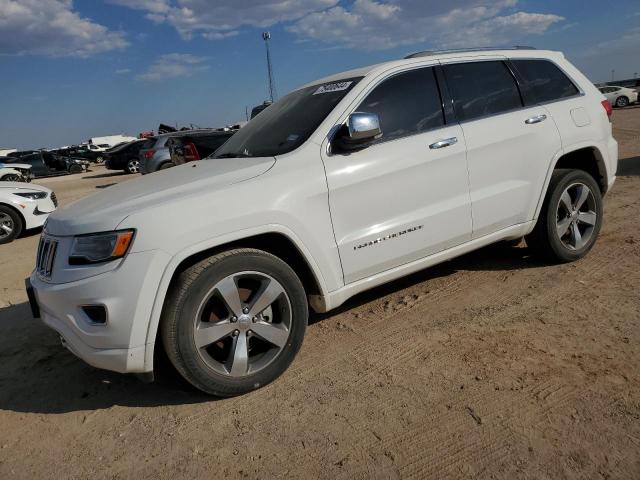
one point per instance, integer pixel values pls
(10, 225)
(234, 322)
(75, 169)
(570, 218)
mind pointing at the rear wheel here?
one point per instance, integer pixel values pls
(75, 169)
(622, 102)
(133, 165)
(234, 322)
(10, 225)
(570, 218)
(99, 159)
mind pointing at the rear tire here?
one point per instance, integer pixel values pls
(133, 166)
(622, 102)
(75, 169)
(570, 218)
(10, 225)
(234, 322)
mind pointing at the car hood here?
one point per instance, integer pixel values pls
(11, 187)
(105, 210)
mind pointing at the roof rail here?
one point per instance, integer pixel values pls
(428, 53)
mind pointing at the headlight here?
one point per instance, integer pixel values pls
(100, 247)
(32, 195)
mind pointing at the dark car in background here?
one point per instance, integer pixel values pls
(194, 146)
(155, 155)
(124, 157)
(47, 164)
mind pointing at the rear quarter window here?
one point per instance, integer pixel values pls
(543, 81)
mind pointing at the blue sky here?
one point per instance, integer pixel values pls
(72, 69)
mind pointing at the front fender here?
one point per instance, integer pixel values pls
(181, 256)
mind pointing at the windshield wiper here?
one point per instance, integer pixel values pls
(233, 155)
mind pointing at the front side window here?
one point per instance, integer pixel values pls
(543, 81)
(406, 104)
(288, 123)
(481, 88)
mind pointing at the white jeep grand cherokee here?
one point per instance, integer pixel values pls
(346, 183)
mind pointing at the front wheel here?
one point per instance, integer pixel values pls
(11, 178)
(76, 169)
(570, 218)
(10, 225)
(234, 322)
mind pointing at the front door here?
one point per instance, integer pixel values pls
(406, 196)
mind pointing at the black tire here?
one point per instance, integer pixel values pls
(166, 165)
(75, 169)
(622, 102)
(10, 216)
(182, 307)
(545, 239)
(12, 177)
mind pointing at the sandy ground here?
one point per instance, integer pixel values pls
(490, 366)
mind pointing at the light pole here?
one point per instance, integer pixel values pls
(266, 36)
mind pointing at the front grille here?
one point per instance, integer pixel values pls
(54, 199)
(46, 256)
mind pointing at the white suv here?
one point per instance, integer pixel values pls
(344, 184)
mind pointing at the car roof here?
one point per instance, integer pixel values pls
(420, 57)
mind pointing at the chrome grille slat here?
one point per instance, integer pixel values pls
(46, 256)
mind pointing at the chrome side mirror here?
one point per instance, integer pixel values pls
(363, 127)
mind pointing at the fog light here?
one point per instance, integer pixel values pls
(96, 313)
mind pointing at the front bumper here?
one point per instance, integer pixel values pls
(127, 293)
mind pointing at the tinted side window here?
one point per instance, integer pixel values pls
(543, 81)
(407, 103)
(481, 88)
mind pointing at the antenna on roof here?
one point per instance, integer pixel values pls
(266, 36)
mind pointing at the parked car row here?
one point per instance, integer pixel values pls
(167, 150)
(46, 164)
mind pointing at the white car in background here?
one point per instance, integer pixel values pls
(23, 207)
(15, 172)
(619, 96)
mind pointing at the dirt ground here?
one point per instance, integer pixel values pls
(493, 365)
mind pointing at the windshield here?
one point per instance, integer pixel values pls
(288, 123)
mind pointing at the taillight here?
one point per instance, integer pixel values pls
(190, 152)
(149, 153)
(607, 108)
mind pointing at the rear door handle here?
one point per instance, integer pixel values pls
(535, 119)
(444, 143)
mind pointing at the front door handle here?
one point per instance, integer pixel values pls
(444, 143)
(535, 119)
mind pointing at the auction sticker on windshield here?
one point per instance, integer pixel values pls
(332, 87)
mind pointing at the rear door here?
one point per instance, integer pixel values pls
(509, 146)
(402, 198)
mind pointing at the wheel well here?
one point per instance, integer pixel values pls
(274, 243)
(589, 160)
(11, 207)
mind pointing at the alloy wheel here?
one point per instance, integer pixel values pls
(576, 216)
(6, 225)
(133, 166)
(242, 324)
